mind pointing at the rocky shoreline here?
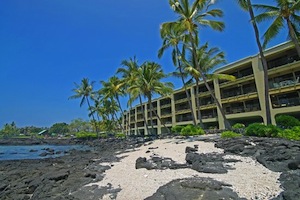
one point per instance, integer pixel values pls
(66, 177)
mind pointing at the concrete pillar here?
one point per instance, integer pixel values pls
(218, 96)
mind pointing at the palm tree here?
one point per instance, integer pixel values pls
(108, 114)
(208, 58)
(247, 6)
(173, 35)
(191, 17)
(149, 83)
(285, 12)
(113, 89)
(85, 92)
(128, 72)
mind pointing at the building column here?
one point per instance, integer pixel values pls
(259, 81)
(218, 97)
(158, 111)
(173, 110)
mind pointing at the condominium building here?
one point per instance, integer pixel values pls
(242, 100)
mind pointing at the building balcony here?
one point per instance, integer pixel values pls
(165, 106)
(181, 100)
(182, 111)
(288, 102)
(284, 83)
(208, 106)
(237, 81)
(240, 97)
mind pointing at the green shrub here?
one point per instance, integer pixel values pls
(103, 135)
(120, 135)
(261, 130)
(255, 129)
(177, 129)
(286, 121)
(230, 134)
(191, 130)
(271, 131)
(238, 126)
(291, 134)
(86, 135)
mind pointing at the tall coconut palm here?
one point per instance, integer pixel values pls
(108, 112)
(247, 6)
(113, 89)
(85, 92)
(173, 36)
(208, 59)
(191, 17)
(149, 83)
(128, 72)
(286, 12)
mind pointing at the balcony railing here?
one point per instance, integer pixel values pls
(284, 83)
(282, 61)
(286, 102)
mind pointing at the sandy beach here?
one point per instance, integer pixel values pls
(249, 179)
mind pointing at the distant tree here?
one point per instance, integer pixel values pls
(59, 128)
(78, 125)
(27, 130)
(9, 130)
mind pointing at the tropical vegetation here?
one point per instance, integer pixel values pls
(193, 59)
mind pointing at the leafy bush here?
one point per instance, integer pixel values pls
(177, 129)
(230, 134)
(86, 135)
(191, 130)
(120, 135)
(271, 131)
(286, 121)
(238, 126)
(103, 135)
(255, 129)
(291, 134)
(261, 130)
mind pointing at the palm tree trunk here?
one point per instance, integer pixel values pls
(293, 36)
(118, 121)
(119, 104)
(151, 116)
(143, 111)
(264, 63)
(226, 122)
(185, 88)
(96, 128)
(198, 104)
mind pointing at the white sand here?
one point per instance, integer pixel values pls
(250, 179)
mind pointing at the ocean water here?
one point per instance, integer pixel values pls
(9, 152)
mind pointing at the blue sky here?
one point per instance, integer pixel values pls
(47, 45)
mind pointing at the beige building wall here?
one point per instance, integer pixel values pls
(250, 104)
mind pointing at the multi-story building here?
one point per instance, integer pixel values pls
(242, 100)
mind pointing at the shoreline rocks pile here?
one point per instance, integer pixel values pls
(64, 177)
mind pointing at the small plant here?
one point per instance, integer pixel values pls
(230, 134)
(261, 130)
(177, 129)
(286, 121)
(86, 135)
(103, 135)
(255, 129)
(191, 130)
(291, 134)
(120, 135)
(238, 126)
